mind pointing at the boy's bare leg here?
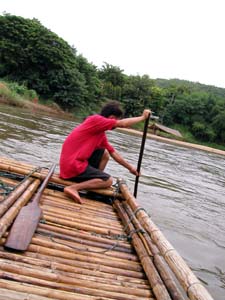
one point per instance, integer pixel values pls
(97, 183)
(104, 160)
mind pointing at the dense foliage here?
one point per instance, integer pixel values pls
(37, 58)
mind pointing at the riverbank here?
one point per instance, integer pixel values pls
(55, 110)
(172, 141)
(36, 107)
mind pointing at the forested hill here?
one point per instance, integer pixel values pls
(34, 56)
(193, 86)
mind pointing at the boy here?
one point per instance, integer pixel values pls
(86, 150)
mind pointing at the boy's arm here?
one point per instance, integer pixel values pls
(127, 122)
(118, 158)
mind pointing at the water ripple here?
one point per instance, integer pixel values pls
(183, 189)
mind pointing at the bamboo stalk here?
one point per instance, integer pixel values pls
(86, 237)
(68, 287)
(61, 279)
(70, 205)
(83, 209)
(90, 205)
(71, 271)
(9, 181)
(6, 160)
(5, 294)
(85, 242)
(66, 252)
(93, 247)
(159, 263)
(74, 247)
(84, 213)
(154, 279)
(25, 170)
(13, 196)
(192, 286)
(85, 227)
(10, 215)
(83, 219)
(43, 291)
(94, 266)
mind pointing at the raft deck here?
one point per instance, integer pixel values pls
(106, 248)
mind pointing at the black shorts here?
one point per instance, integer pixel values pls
(92, 171)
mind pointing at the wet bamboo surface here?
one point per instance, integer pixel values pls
(77, 252)
(190, 283)
(92, 251)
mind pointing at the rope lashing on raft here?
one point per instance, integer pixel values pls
(139, 209)
(133, 215)
(8, 189)
(117, 192)
(118, 238)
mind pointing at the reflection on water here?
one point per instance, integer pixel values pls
(182, 189)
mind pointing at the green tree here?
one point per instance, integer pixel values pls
(138, 91)
(218, 124)
(158, 99)
(92, 81)
(113, 74)
(112, 78)
(203, 132)
(35, 56)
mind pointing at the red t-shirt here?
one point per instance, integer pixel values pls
(82, 142)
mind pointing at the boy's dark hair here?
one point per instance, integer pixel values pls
(112, 108)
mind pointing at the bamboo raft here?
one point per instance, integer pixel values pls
(107, 248)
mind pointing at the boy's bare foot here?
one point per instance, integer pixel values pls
(73, 194)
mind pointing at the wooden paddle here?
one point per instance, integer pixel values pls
(141, 154)
(27, 220)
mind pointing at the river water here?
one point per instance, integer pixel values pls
(182, 189)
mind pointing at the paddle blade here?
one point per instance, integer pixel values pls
(23, 228)
(27, 220)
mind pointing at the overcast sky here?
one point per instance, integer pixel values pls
(181, 39)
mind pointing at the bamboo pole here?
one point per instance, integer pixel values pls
(96, 266)
(78, 267)
(159, 263)
(85, 227)
(74, 247)
(83, 217)
(154, 279)
(14, 195)
(84, 220)
(190, 283)
(72, 271)
(43, 291)
(68, 205)
(9, 181)
(91, 247)
(82, 290)
(19, 169)
(85, 242)
(5, 294)
(62, 279)
(86, 237)
(6, 160)
(10, 215)
(65, 252)
(91, 205)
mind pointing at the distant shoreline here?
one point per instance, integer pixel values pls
(36, 107)
(172, 141)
